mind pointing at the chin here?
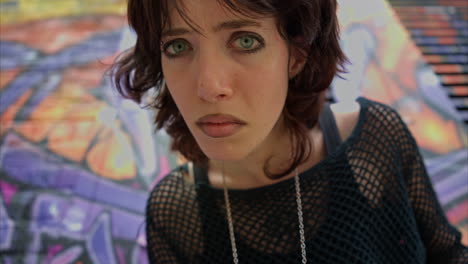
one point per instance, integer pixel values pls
(224, 153)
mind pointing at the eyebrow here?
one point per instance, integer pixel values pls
(231, 24)
(234, 24)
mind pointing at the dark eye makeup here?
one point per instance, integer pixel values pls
(252, 43)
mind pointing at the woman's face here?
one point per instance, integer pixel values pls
(229, 82)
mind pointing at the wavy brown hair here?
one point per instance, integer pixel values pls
(309, 25)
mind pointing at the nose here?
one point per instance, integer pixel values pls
(213, 78)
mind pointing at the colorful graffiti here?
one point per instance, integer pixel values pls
(388, 67)
(77, 161)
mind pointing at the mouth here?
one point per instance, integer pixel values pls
(220, 125)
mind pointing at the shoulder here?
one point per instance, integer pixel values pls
(170, 192)
(346, 115)
(366, 114)
(382, 117)
(174, 182)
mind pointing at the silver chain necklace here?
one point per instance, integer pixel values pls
(299, 216)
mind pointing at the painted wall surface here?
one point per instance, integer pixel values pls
(77, 162)
(386, 66)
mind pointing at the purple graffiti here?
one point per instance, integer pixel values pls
(47, 171)
(8, 190)
(13, 55)
(7, 227)
(67, 256)
(100, 243)
(91, 50)
(74, 217)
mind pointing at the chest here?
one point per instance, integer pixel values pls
(339, 224)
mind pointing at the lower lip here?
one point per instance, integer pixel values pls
(220, 130)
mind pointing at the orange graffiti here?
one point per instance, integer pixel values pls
(7, 119)
(113, 157)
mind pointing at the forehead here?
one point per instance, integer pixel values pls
(203, 14)
(194, 11)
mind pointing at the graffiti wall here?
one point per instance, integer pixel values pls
(386, 66)
(77, 162)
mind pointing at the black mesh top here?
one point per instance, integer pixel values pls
(369, 201)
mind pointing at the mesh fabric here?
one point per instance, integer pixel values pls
(369, 201)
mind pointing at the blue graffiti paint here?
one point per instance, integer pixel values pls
(90, 50)
(14, 55)
(47, 171)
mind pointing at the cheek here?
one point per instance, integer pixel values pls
(268, 85)
(266, 98)
(178, 87)
(183, 101)
(273, 91)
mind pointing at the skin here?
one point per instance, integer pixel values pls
(238, 66)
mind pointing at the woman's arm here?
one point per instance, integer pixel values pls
(442, 240)
(159, 248)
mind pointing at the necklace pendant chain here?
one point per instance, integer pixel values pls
(232, 237)
(231, 226)
(300, 217)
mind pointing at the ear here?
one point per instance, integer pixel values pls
(297, 58)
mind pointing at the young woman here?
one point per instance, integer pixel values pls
(275, 175)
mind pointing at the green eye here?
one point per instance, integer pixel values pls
(246, 42)
(176, 47)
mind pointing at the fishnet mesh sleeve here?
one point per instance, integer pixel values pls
(370, 201)
(173, 227)
(442, 241)
(159, 248)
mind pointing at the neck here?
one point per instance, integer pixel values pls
(249, 172)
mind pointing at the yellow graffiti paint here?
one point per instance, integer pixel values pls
(16, 11)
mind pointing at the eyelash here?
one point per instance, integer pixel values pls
(236, 36)
(258, 38)
(166, 45)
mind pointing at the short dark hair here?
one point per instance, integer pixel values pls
(310, 25)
